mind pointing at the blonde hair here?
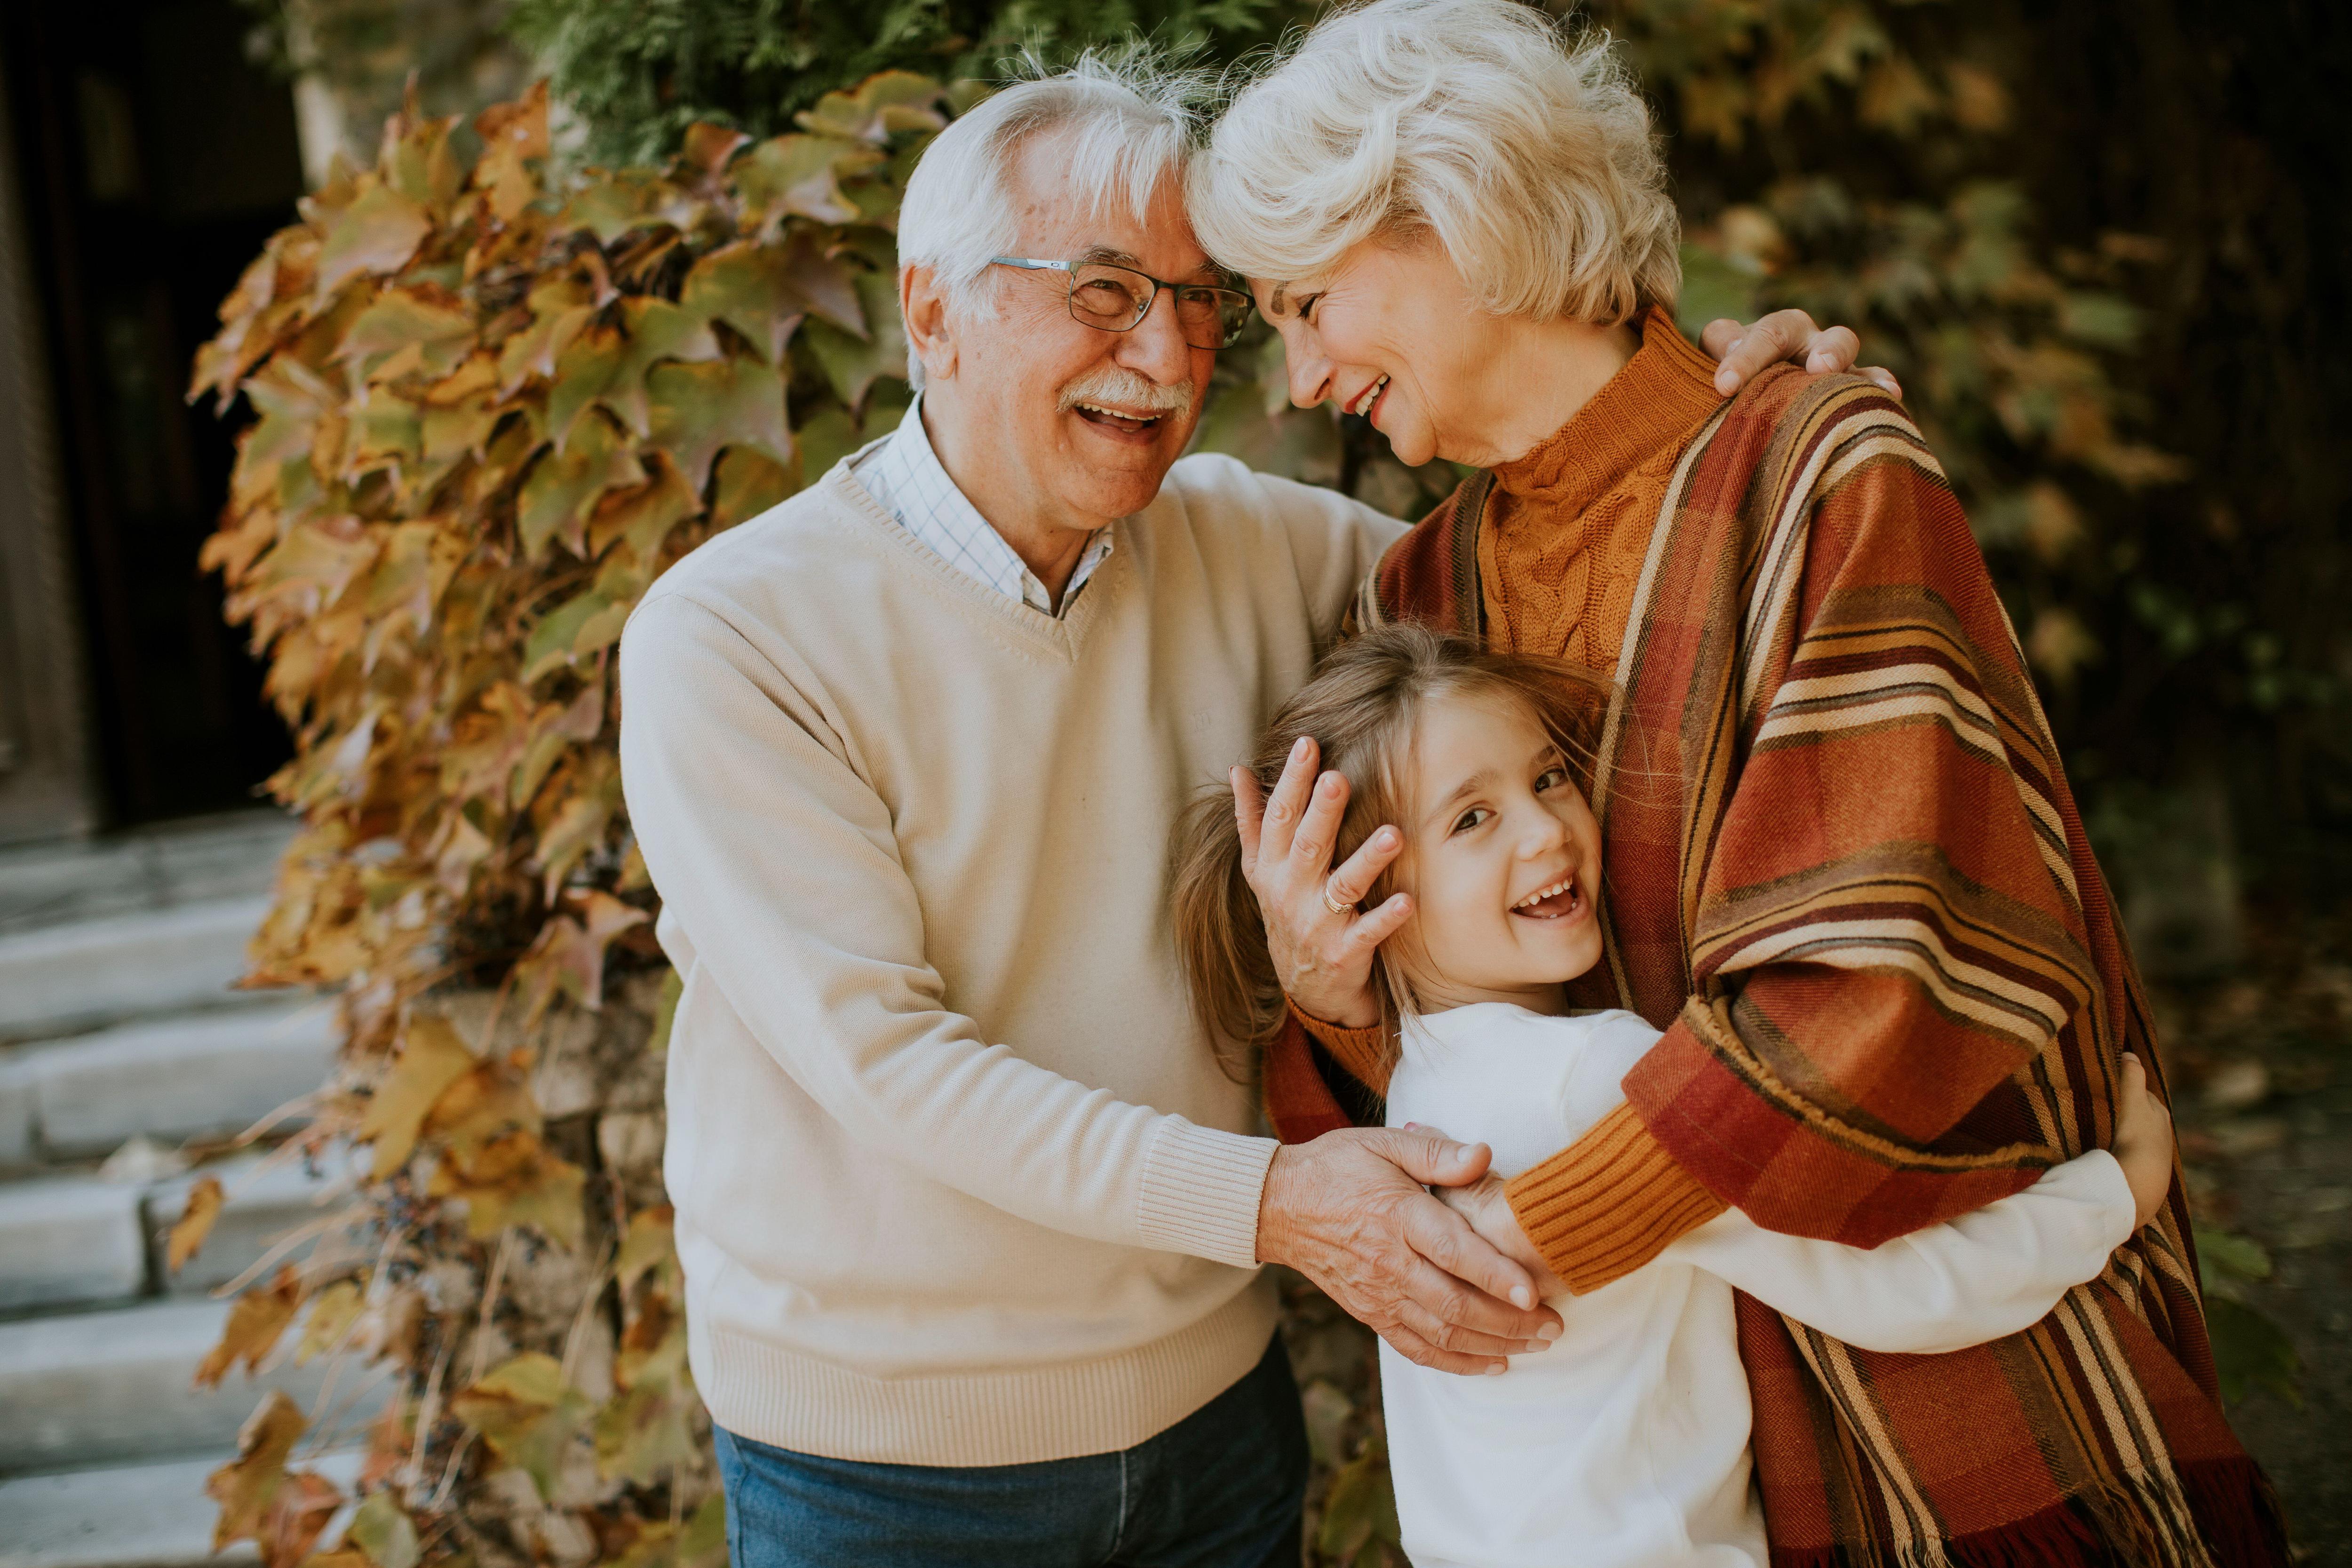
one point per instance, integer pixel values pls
(1362, 708)
(1525, 153)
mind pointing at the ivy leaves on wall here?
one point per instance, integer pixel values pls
(493, 406)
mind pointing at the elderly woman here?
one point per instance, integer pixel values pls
(1847, 877)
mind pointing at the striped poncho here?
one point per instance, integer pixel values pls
(1845, 873)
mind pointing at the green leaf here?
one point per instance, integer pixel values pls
(800, 174)
(643, 1435)
(750, 482)
(1713, 286)
(704, 1544)
(564, 487)
(382, 1530)
(377, 232)
(748, 286)
(2251, 1352)
(852, 365)
(696, 409)
(825, 283)
(527, 1413)
(658, 332)
(882, 103)
(1360, 1508)
(429, 320)
(2103, 320)
(2224, 1255)
(665, 1013)
(580, 625)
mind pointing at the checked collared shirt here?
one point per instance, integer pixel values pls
(905, 475)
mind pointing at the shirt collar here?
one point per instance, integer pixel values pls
(905, 474)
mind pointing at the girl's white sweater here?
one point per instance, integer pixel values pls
(1625, 1443)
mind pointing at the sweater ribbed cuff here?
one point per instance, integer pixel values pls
(1201, 1189)
(1364, 1053)
(1609, 1203)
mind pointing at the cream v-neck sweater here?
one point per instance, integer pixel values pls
(958, 1179)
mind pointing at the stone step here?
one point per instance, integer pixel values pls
(195, 1074)
(112, 1386)
(78, 1240)
(135, 1516)
(231, 856)
(60, 977)
(69, 1239)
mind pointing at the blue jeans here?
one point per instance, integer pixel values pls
(1221, 1489)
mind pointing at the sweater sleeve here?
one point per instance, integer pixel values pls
(1364, 1053)
(1335, 540)
(1889, 925)
(1960, 1283)
(781, 865)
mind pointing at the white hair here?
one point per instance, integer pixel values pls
(1526, 153)
(1126, 122)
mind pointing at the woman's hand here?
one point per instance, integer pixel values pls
(1322, 948)
(1784, 334)
(2143, 1140)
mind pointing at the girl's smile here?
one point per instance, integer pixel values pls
(1502, 864)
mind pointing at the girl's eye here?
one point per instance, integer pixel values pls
(1471, 819)
(1550, 778)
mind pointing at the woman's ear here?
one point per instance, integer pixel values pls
(924, 309)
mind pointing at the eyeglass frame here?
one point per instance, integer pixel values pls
(1069, 270)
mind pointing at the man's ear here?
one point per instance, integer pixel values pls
(925, 312)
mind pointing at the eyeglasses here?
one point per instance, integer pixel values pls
(1117, 298)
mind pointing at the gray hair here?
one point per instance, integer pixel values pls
(1129, 120)
(1525, 153)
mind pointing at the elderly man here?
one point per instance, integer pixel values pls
(970, 1218)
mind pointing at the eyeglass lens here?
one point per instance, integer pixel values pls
(1115, 299)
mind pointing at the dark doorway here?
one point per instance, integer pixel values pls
(156, 159)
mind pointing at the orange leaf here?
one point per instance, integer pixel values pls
(432, 1057)
(245, 1487)
(514, 1179)
(512, 133)
(706, 148)
(256, 1321)
(306, 1501)
(194, 1223)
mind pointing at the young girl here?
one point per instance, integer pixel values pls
(1626, 1440)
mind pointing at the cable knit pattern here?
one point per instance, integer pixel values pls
(1566, 588)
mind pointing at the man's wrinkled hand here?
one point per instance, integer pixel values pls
(1785, 335)
(1351, 1212)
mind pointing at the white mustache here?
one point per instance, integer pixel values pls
(1116, 386)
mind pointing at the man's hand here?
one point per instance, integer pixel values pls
(2143, 1140)
(1322, 948)
(1350, 1212)
(1784, 334)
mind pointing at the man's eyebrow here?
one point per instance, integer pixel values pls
(1111, 257)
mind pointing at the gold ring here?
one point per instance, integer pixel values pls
(1333, 905)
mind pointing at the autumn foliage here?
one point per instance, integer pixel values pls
(492, 402)
(492, 405)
